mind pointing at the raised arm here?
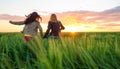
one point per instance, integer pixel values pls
(17, 23)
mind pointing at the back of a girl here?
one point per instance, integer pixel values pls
(31, 27)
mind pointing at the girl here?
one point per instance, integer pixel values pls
(55, 26)
(31, 26)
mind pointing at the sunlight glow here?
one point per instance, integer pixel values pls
(81, 28)
(72, 29)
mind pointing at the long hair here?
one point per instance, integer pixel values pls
(53, 18)
(31, 17)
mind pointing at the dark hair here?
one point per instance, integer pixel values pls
(31, 17)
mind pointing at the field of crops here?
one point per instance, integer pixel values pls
(89, 50)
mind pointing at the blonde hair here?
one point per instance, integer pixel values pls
(53, 18)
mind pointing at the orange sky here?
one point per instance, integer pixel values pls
(74, 21)
(76, 15)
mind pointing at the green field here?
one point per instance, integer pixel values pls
(91, 50)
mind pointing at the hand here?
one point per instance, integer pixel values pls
(10, 21)
(44, 37)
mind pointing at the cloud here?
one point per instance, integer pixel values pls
(77, 17)
(83, 17)
(10, 17)
(108, 20)
(112, 24)
(110, 15)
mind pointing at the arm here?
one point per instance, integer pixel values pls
(17, 23)
(40, 30)
(62, 27)
(48, 30)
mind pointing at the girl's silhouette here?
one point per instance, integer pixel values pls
(55, 26)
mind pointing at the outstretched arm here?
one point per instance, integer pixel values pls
(17, 23)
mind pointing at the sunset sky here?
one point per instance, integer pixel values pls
(76, 15)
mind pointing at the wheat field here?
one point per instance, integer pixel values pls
(83, 50)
